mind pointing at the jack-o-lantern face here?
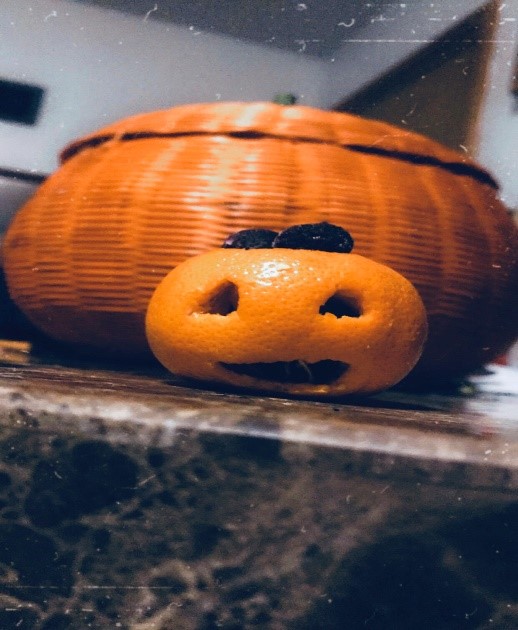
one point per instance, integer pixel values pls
(295, 321)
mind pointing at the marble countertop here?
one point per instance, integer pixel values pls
(474, 427)
(132, 500)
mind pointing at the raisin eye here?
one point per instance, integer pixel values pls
(250, 239)
(323, 236)
(341, 306)
(222, 301)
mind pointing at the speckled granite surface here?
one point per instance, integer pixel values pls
(130, 501)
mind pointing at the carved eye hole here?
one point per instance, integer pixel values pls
(222, 301)
(341, 306)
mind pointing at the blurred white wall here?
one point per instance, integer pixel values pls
(497, 132)
(98, 66)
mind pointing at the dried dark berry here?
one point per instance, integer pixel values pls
(250, 239)
(323, 236)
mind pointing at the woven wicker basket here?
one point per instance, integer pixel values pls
(132, 200)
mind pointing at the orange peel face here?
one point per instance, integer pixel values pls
(301, 322)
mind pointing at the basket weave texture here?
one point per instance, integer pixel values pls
(134, 199)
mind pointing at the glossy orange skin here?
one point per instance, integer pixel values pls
(277, 318)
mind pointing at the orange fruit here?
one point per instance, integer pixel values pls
(287, 320)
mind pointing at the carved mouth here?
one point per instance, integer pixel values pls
(320, 373)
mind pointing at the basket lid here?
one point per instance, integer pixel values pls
(294, 122)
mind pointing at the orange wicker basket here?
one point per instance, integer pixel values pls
(130, 201)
